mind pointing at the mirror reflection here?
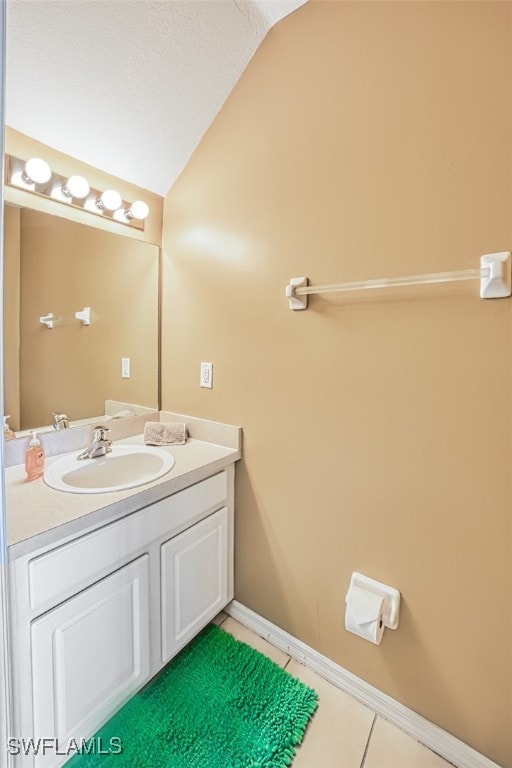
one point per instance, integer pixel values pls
(54, 269)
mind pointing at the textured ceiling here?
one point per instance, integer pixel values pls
(129, 86)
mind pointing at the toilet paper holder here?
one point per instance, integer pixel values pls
(390, 595)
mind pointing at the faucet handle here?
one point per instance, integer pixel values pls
(100, 432)
(60, 421)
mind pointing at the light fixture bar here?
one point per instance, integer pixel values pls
(74, 191)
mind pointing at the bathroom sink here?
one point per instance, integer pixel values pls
(127, 466)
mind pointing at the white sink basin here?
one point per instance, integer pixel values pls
(126, 467)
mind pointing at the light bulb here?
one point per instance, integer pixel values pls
(76, 186)
(37, 171)
(110, 200)
(138, 210)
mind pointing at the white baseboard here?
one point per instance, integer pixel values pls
(439, 741)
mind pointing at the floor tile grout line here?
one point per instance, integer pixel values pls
(368, 741)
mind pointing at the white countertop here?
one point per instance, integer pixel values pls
(38, 515)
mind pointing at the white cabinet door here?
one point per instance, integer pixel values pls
(88, 656)
(194, 580)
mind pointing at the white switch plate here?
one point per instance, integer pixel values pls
(125, 367)
(206, 375)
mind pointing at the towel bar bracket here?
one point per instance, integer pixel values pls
(48, 320)
(497, 284)
(297, 302)
(84, 315)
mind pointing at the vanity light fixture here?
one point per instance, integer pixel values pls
(35, 176)
(138, 210)
(77, 187)
(109, 200)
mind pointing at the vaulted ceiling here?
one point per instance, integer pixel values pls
(129, 86)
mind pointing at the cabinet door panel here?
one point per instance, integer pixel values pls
(194, 580)
(89, 654)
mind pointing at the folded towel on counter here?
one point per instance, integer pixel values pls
(164, 433)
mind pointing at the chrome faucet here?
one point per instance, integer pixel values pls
(60, 421)
(100, 444)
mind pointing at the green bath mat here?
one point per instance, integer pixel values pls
(218, 704)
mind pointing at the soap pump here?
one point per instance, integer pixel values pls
(9, 434)
(34, 458)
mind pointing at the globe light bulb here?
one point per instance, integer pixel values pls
(110, 200)
(138, 210)
(77, 187)
(37, 171)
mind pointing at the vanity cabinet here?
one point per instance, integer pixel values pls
(97, 614)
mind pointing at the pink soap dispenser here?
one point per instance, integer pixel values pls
(9, 434)
(34, 458)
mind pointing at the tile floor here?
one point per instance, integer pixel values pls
(343, 733)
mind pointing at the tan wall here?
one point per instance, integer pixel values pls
(24, 147)
(364, 140)
(72, 368)
(11, 313)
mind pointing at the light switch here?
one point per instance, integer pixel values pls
(207, 375)
(125, 367)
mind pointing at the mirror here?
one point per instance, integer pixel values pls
(57, 266)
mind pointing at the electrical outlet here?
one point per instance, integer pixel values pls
(206, 375)
(125, 367)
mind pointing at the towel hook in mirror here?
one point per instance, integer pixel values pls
(84, 315)
(48, 320)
